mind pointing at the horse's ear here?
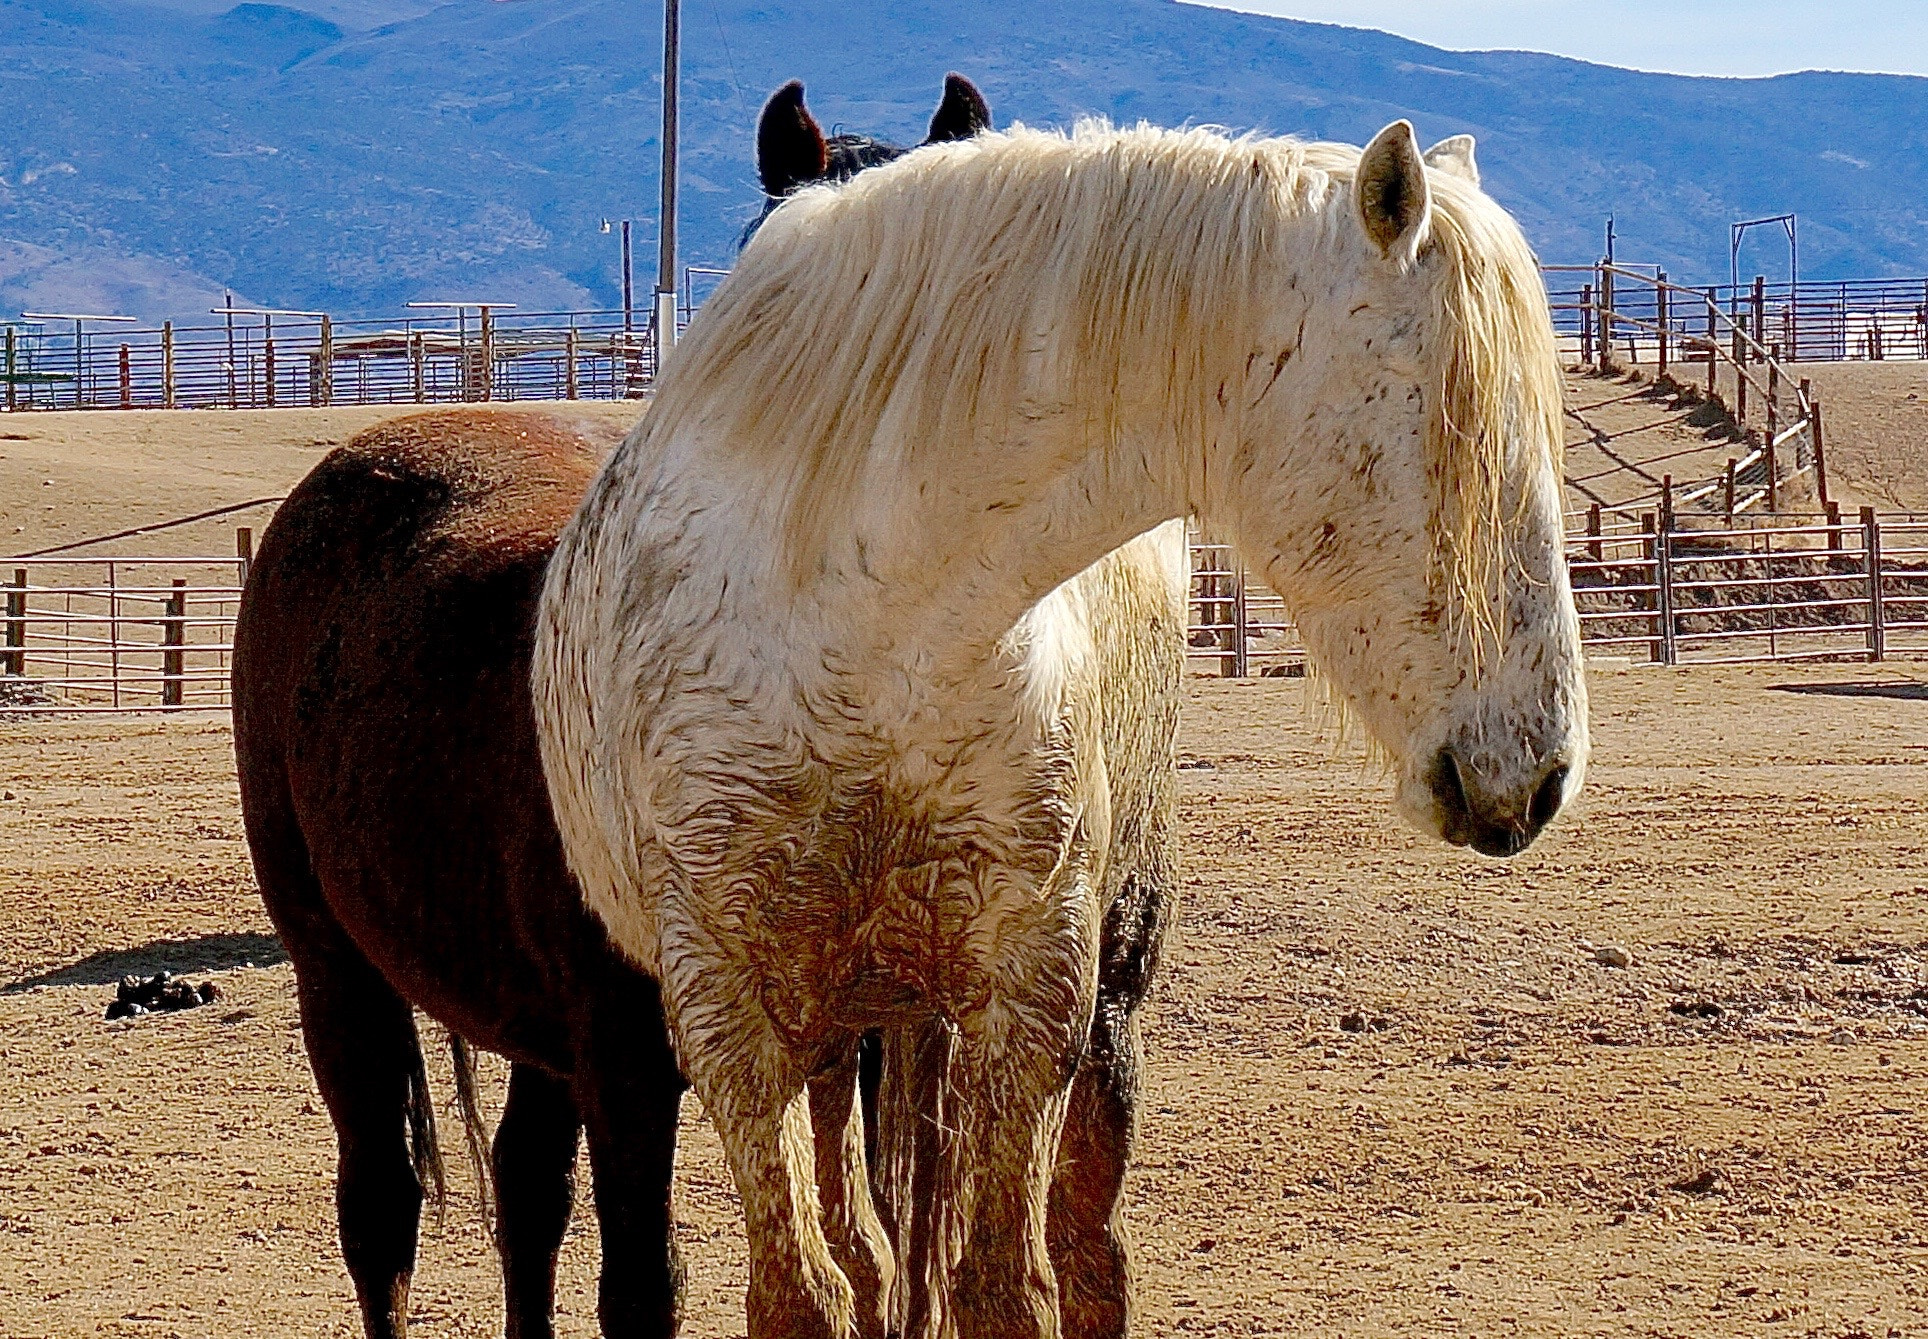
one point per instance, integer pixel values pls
(790, 149)
(1455, 155)
(962, 113)
(1393, 198)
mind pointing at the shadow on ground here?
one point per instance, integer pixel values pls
(210, 953)
(1906, 689)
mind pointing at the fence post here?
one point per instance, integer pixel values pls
(1774, 393)
(1666, 502)
(570, 355)
(416, 358)
(1241, 631)
(267, 369)
(12, 398)
(1833, 510)
(1820, 456)
(326, 391)
(1713, 341)
(485, 381)
(1760, 316)
(167, 365)
(1606, 318)
(1660, 318)
(16, 656)
(244, 551)
(1741, 357)
(126, 377)
(173, 638)
(1586, 325)
(1664, 579)
(1729, 482)
(1871, 547)
(1595, 550)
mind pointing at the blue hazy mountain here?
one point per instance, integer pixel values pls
(362, 153)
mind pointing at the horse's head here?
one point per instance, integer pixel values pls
(793, 152)
(1398, 480)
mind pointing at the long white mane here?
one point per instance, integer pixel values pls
(1142, 247)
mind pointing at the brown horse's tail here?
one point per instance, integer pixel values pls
(425, 1151)
(475, 1128)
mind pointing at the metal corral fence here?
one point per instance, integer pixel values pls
(434, 353)
(118, 634)
(1776, 414)
(156, 634)
(1838, 321)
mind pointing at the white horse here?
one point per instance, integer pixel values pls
(829, 715)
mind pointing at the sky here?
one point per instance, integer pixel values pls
(1719, 37)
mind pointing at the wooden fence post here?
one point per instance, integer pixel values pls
(570, 356)
(16, 656)
(1729, 481)
(325, 392)
(267, 368)
(1241, 626)
(485, 380)
(1606, 319)
(244, 551)
(1741, 357)
(1713, 342)
(1760, 316)
(1595, 550)
(1664, 579)
(173, 638)
(126, 377)
(12, 397)
(1833, 510)
(1820, 456)
(1666, 502)
(167, 365)
(417, 359)
(1871, 549)
(1660, 318)
(1774, 394)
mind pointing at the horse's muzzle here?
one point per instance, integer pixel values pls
(1476, 820)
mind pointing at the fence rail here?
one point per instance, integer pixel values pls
(1813, 321)
(157, 634)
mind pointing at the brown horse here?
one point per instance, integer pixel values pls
(405, 849)
(394, 803)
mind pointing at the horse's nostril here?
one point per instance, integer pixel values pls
(1449, 793)
(1547, 799)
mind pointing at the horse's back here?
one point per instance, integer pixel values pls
(381, 672)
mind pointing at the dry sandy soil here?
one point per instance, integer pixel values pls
(1622, 438)
(1522, 1141)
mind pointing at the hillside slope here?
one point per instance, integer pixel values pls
(471, 150)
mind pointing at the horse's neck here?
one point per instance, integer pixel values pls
(932, 573)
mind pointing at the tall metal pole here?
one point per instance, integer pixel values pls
(666, 236)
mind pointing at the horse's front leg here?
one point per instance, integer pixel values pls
(1013, 1072)
(857, 1239)
(752, 1082)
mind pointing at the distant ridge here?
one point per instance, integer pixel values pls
(362, 153)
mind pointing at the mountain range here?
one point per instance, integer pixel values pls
(354, 155)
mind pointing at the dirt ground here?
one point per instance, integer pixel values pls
(1392, 1089)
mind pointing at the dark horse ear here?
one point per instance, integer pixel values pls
(790, 151)
(961, 114)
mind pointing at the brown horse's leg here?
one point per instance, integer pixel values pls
(850, 1222)
(629, 1091)
(1085, 1225)
(535, 1184)
(362, 1045)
